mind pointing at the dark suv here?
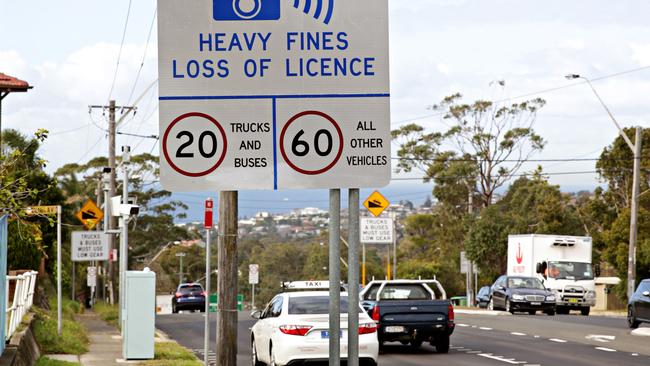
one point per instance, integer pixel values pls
(638, 308)
(525, 294)
(189, 296)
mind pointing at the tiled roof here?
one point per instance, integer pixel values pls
(11, 84)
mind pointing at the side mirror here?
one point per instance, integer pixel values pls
(549, 289)
(646, 293)
(502, 288)
(597, 270)
(256, 314)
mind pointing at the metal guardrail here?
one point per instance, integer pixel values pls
(22, 300)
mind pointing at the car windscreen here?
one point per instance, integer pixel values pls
(404, 292)
(190, 289)
(570, 271)
(525, 282)
(301, 305)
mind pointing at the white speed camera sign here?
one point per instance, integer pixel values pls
(272, 94)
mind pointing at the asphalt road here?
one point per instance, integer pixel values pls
(479, 339)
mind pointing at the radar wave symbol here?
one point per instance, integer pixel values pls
(307, 8)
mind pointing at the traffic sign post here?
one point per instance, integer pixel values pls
(271, 94)
(299, 99)
(90, 214)
(253, 279)
(209, 208)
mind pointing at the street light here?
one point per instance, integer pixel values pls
(636, 150)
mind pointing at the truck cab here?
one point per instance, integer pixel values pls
(562, 263)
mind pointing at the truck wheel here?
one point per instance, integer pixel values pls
(585, 311)
(550, 312)
(442, 344)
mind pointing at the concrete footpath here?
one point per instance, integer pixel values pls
(105, 343)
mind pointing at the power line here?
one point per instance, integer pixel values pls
(543, 91)
(144, 55)
(119, 54)
(136, 135)
(441, 160)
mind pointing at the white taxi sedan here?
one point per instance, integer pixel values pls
(293, 330)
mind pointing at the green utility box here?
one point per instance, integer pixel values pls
(459, 300)
(214, 298)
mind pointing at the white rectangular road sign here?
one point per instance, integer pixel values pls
(91, 277)
(273, 94)
(89, 246)
(253, 274)
(375, 230)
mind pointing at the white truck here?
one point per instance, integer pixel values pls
(562, 263)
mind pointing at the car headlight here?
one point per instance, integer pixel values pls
(550, 298)
(590, 295)
(517, 297)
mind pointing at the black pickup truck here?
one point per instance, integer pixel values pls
(410, 312)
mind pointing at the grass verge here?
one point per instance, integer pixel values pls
(44, 361)
(73, 339)
(108, 313)
(172, 354)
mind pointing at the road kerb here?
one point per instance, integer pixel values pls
(643, 332)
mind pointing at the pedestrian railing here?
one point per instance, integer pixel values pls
(22, 300)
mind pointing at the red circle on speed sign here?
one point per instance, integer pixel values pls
(293, 165)
(211, 120)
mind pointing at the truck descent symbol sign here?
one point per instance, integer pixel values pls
(273, 94)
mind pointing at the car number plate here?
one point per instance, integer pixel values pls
(191, 297)
(575, 301)
(394, 329)
(536, 303)
(325, 334)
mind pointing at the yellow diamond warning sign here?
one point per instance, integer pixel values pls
(376, 203)
(90, 215)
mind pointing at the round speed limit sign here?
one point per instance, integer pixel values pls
(194, 144)
(311, 142)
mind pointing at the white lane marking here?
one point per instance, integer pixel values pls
(477, 312)
(499, 358)
(641, 332)
(601, 338)
(473, 352)
(605, 349)
(557, 340)
(485, 328)
(518, 334)
(635, 354)
(536, 336)
(462, 325)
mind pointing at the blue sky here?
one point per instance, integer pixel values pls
(68, 51)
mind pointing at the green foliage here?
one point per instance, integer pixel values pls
(172, 354)
(531, 206)
(108, 313)
(73, 339)
(491, 142)
(24, 245)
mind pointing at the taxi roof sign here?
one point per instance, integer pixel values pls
(376, 203)
(90, 214)
(307, 285)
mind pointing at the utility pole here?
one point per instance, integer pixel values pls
(470, 266)
(634, 205)
(180, 256)
(227, 280)
(112, 107)
(631, 259)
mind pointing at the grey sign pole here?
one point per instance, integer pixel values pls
(58, 271)
(335, 277)
(206, 328)
(353, 277)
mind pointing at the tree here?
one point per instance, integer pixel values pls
(531, 206)
(491, 143)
